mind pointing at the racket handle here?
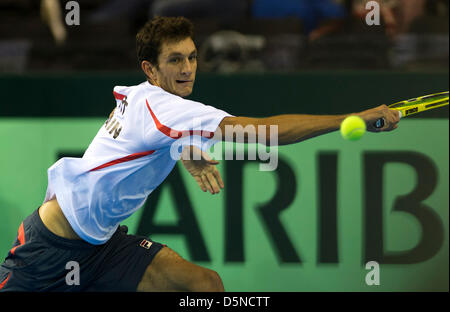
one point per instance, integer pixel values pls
(380, 122)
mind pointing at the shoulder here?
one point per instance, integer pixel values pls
(158, 97)
(158, 100)
(123, 92)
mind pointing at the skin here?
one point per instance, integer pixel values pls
(296, 128)
(176, 68)
(175, 73)
(170, 272)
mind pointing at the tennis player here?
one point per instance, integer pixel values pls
(87, 198)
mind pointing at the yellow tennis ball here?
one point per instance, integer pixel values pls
(353, 128)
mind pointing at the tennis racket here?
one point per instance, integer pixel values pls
(416, 105)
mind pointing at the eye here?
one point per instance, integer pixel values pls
(193, 57)
(174, 60)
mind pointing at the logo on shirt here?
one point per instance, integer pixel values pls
(145, 243)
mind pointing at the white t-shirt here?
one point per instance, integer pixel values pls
(130, 156)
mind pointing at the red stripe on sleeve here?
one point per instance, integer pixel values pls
(176, 134)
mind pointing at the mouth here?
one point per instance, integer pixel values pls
(184, 81)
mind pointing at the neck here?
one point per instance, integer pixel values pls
(153, 82)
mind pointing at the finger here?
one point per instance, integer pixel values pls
(207, 158)
(218, 178)
(389, 127)
(206, 183)
(394, 120)
(394, 116)
(398, 116)
(212, 162)
(389, 120)
(392, 126)
(200, 183)
(213, 182)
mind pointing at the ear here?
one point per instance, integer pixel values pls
(149, 70)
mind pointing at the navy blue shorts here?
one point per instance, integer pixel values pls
(42, 261)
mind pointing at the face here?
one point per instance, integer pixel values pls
(177, 67)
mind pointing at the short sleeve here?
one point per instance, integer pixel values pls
(184, 122)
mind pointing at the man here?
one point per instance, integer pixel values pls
(130, 156)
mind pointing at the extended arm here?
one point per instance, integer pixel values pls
(296, 128)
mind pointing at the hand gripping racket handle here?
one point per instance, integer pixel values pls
(380, 122)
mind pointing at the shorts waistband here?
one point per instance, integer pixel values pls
(46, 234)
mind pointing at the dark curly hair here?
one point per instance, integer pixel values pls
(158, 30)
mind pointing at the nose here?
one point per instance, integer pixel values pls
(186, 68)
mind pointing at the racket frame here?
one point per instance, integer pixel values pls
(416, 105)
